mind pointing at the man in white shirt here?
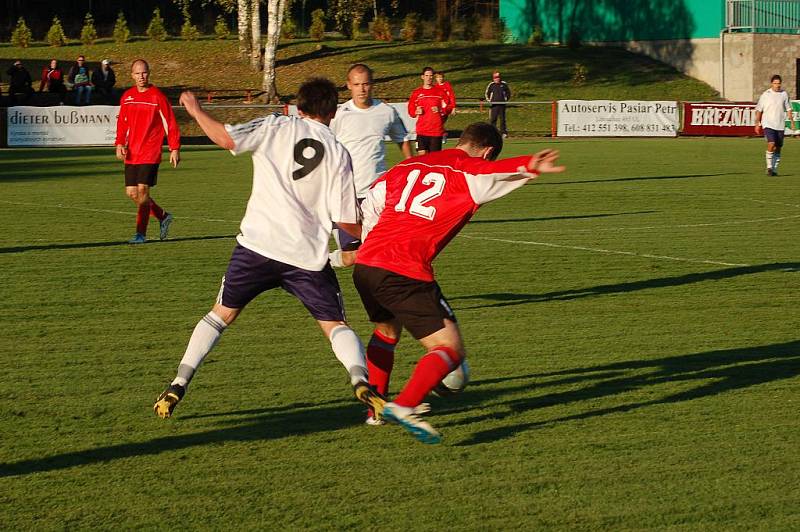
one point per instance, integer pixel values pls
(361, 124)
(302, 185)
(771, 110)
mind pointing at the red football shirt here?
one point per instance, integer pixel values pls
(429, 123)
(144, 118)
(447, 88)
(418, 206)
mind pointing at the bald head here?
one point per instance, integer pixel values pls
(140, 72)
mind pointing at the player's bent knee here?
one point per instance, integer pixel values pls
(226, 314)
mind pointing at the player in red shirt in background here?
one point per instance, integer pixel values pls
(144, 116)
(428, 103)
(451, 98)
(410, 215)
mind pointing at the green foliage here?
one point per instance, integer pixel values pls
(288, 28)
(537, 36)
(189, 31)
(472, 28)
(579, 73)
(381, 29)
(55, 35)
(156, 30)
(21, 37)
(88, 31)
(317, 29)
(221, 28)
(121, 32)
(410, 31)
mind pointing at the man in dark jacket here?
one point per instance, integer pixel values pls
(498, 91)
(20, 82)
(103, 80)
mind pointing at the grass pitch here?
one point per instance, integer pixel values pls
(631, 323)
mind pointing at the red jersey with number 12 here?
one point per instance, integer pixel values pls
(144, 117)
(422, 203)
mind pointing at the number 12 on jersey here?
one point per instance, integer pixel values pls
(418, 206)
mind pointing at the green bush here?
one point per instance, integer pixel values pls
(55, 35)
(121, 32)
(156, 30)
(221, 28)
(88, 31)
(410, 31)
(21, 36)
(380, 29)
(537, 36)
(317, 29)
(189, 31)
(288, 28)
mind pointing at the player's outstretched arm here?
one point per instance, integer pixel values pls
(213, 129)
(544, 162)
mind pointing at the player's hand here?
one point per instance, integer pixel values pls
(544, 162)
(190, 102)
(419, 110)
(174, 158)
(435, 109)
(122, 152)
(758, 129)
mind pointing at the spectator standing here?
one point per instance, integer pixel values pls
(19, 82)
(451, 98)
(496, 92)
(427, 103)
(53, 81)
(771, 111)
(144, 115)
(104, 80)
(79, 77)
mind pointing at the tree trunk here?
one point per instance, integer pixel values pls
(255, 33)
(243, 8)
(442, 21)
(275, 9)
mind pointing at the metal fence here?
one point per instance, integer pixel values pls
(763, 16)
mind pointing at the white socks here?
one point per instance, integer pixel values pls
(205, 336)
(770, 160)
(776, 159)
(336, 258)
(350, 352)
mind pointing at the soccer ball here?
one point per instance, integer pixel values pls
(454, 382)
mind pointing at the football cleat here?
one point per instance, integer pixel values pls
(165, 223)
(410, 420)
(138, 238)
(367, 395)
(375, 421)
(770, 172)
(372, 419)
(168, 400)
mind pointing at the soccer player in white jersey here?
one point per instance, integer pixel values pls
(361, 124)
(771, 110)
(302, 184)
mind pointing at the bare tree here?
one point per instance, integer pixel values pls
(245, 44)
(255, 34)
(275, 11)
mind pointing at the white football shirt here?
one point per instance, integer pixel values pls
(362, 132)
(774, 106)
(302, 184)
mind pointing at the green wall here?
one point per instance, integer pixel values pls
(614, 20)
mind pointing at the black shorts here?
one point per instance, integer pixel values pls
(249, 274)
(775, 136)
(141, 174)
(429, 143)
(418, 305)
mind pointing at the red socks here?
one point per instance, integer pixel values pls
(142, 217)
(430, 370)
(380, 360)
(156, 211)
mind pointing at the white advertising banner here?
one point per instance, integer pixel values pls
(402, 110)
(93, 125)
(612, 118)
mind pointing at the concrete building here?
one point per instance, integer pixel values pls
(733, 45)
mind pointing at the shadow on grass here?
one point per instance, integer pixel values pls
(505, 299)
(715, 372)
(550, 218)
(87, 245)
(269, 424)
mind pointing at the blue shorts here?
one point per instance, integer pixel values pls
(249, 274)
(345, 240)
(774, 136)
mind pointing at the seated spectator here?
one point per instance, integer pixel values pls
(79, 78)
(20, 82)
(53, 81)
(103, 80)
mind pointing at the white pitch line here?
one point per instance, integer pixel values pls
(601, 250)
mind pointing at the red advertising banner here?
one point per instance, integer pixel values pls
(719, 119)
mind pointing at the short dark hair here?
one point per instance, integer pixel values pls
(426, 69)
(776, 76)
(360, 67)
(483, 135)
(317, 98)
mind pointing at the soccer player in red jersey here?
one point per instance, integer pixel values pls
(428, 103)
(144, 116)
(410, 215)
